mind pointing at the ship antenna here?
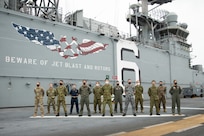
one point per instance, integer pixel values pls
(130, 22)
(135, 8)
(48, 9)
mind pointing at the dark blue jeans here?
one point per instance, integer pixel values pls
(74, 101)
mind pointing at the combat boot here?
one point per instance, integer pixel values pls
(34, 115)
(42, 114)
(57, 114)
(65, 114)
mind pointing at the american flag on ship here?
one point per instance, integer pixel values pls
(41, 37)
(47, 39)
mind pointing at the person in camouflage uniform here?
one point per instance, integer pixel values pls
(84, 91)
(118, 91)
(97, 97)
(162, 98)
(129, 97)
(175, 92)
(61, 92)
(39, 93)
(51, 93)
(154, 97)
(138, 96)
(107, 92)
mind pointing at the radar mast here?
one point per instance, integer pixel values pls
(47, 9)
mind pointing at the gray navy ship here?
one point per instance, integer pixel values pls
(36, 44)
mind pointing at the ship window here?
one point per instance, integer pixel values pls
(184, 48)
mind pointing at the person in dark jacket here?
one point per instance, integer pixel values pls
(74, 98)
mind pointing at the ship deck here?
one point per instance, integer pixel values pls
(19, 121)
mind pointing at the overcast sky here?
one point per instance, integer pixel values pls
(114, 12)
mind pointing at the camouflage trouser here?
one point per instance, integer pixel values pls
(39, 101)
(139, 100)
(162, 100)
(132, 101)
(176, 100)
(154, 103)
(118, 100)
(97, 102)
(109, 102)
(50, 101)
(63, 105)
(85, 100)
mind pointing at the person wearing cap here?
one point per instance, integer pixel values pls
(154, 97)
(175, 92)
(139, 96)
(118, 91)
(39, 94)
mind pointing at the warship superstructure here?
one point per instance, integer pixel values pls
(38, 45)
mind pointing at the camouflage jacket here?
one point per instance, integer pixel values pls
(51, 93)
(61, 92)
(39, 92)
(162, 91)
(107, 91)
(153, 93)
(138, 91)
(97, 92)
(129, 90)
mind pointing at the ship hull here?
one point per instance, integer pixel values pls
(23, 62)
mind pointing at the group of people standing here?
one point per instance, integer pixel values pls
(103, 95)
